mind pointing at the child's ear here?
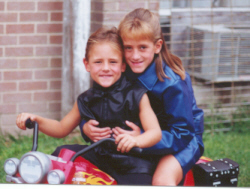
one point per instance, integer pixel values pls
(158, 46)
(86, 64)
(123, 67)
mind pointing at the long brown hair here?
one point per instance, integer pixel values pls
(143, 24)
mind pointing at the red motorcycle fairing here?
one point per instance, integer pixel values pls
(81, 171)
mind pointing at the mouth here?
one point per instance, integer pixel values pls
(105, 76)
(137, 63)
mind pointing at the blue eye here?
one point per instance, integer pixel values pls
(127, 48)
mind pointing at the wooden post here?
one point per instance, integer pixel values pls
(76, 29)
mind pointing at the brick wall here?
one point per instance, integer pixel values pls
(31, 53)
(110, 12)
(30, 59)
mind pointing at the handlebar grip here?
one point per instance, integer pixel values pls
(29, 124)
(136, 150)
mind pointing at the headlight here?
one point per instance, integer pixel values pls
(11, 165)
(56, 177)
(34, 166)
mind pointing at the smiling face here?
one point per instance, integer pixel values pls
(105, 64)
(139, 54)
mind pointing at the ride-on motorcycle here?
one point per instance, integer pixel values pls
(70, 168)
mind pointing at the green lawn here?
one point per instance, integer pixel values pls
(233, 145)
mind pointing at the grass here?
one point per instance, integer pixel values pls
(233, 145)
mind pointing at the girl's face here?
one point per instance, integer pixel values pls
(139, 54)
(105, 64)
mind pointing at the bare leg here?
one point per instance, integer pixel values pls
(168, 172)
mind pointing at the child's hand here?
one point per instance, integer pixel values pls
(125, 142)
(21, 118)
(94, 133)
(135, 130)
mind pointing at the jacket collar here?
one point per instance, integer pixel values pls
(117, 86)
(149, 77)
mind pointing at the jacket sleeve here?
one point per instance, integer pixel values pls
(177, 120)
(87, 139)
(198, 113)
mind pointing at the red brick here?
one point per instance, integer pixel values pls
(8, 63)
(56, 16)
(17, 75)
(33, 39)
(56, 39)
(54, 107)
(56, 62)
(47, 96)
(34, 63)
(153, 6)
(8, 119)
(48, 51)
(7, 109)
(33, 17)
(21, 6)
(20, 28)
(96, 6)
(55, 84)
(47, 74)
(8, 17)
(50, 6)
(49, 28)
(19, 51)
(131, 5)
(1, 28)
(8, 40)
(110, 16)
(20, 97)
(32, 85)
(33, 107)
(96, 16)
(1, 51)
(1, 6)
(108, 6)
(10, 86)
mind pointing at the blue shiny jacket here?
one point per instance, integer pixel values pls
(175, 106)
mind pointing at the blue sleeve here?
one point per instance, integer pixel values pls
(177, 120)
(87, 139)
(198, 113)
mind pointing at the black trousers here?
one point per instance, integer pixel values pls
(104, 165)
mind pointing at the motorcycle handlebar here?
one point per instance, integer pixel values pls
(134, 150)
(33, 125)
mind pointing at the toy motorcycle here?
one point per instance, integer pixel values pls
(70, 168)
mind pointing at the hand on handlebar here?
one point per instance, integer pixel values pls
(21, 118)
(125, 142)
(94, 133)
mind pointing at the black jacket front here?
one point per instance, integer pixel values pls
(112, 106)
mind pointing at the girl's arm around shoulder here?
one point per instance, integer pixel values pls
(150, 124)
(51, 127)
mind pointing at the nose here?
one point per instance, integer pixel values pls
(105, 66)
(135, 54)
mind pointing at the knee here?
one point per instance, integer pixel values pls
(161, 181)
